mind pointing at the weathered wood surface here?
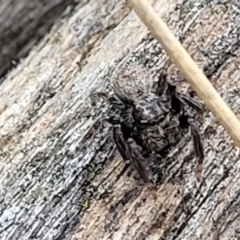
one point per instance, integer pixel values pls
(23, 23)
(61, 177)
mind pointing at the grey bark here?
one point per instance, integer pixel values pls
(23, 24)
(61, 177)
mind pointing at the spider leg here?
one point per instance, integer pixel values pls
(137, 160)
(199, 149)
(179, 98)
(187, 101)
(191, 102)
(162, 84)
(175, 99)
(122, 146)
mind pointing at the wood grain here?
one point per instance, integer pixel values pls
(23, 24)
(60, 174)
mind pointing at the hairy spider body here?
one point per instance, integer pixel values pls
(146, 123)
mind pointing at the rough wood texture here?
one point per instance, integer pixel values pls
(23, 23)
(61, 177)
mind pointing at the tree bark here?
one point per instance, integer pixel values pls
(23, 24)
(61, 176)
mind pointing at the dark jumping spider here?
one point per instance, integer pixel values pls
(151, 122)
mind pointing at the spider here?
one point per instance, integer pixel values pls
(151, 122)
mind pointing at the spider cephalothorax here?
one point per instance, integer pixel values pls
(149, 108)
(149, 122)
